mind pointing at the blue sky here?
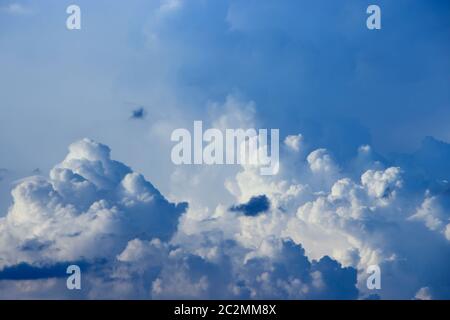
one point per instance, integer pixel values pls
(308, 66)
(305, 67)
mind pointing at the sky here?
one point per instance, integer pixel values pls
(85, 123)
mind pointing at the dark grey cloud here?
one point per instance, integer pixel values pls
(326, 278)
(25, 271)
(254, 206)
(138, 113)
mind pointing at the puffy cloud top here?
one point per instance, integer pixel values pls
(310, 232)
(88, 208)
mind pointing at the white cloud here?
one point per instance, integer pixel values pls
(430, 212)
(320, 161)
(382, 184)
(294, 142)
(88, 209)
(276, 269)
(434, 213)
(358, 222)
(423, 294)
(92, 207)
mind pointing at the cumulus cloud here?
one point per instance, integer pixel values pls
(286, 272)
(87, 209)
(310, 231)
(335, 207)
(330, 210)
(98, 213)
(323, 167)
(434, 212)
(294, 142)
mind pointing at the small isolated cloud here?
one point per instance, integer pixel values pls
(138, 113)
(254, 206)
(294, 142)
(423, 294)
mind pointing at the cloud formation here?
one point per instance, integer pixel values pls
(97, 212)
(335, 208)
(309, 232)
(87, 209)
(359, 213)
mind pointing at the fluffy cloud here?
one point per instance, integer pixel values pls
(309, 232)
(294, 142)
(98, 213)
(434, 212)
(330, 210)
(285, 273)
(88, 209)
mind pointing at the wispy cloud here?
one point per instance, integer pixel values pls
(15, 8)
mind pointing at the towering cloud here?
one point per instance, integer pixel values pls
(312, 231)
(98, 213)
(87, 209)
